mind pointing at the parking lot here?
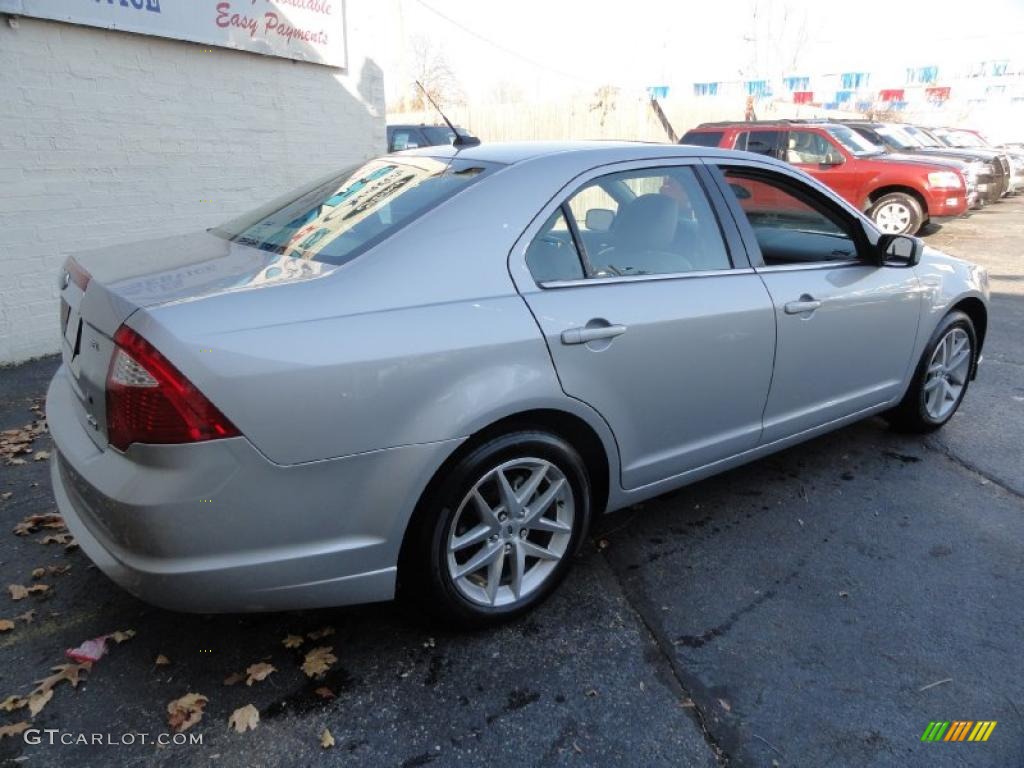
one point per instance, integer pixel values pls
(816, 608)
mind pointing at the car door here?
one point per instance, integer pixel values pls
(816, 154)
(846, 325)
(650, 317)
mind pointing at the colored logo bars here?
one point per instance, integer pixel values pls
(958, 730)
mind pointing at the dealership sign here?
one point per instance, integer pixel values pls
(307, 30)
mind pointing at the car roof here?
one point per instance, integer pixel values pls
(508, 153)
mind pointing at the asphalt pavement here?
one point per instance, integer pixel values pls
(817, 608)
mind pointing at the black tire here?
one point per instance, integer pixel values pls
(424, 578)
(911, 415)
(916, 218)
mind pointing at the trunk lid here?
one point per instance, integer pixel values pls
(123, 279)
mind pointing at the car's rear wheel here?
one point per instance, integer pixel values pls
(499, 532)
(897, 213)
(941, 379)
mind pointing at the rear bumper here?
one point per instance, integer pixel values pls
(216, 527)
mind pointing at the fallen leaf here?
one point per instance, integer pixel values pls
(33, 522)
(15, 462)
(6, 495)
(41, 456)
(321, 633)
(64, 539)
(234, 678)
(38, 700)
(844, 594)
(257, 672)
(161, 661)
(38, 589)
(185, 712)
(318, 661)
(12, 703)
(121, 635)
(244, 718)
(18, 592)
(292, 641)
(6, 625)
(725, 705)
(69, 672)
(592, 693)
(13, 730)
(27, 616)
(53, 570)
(326, 740)
(89, 651)
(324, 692)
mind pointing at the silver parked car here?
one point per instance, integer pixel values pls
(428, 373)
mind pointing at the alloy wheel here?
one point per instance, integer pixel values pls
(948, 369)
(893, 218)
(510, 532)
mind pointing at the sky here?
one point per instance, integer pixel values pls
(549, 48)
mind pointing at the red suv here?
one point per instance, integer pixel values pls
(901, 196)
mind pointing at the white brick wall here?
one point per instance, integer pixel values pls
(108, 137)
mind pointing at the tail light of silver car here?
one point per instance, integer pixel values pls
(151, 401)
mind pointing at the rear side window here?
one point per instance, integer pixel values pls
(552, 255)
(702, 138)
(770, 143)
(651, 221)
(335, 219)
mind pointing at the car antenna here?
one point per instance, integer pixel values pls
(461, 140)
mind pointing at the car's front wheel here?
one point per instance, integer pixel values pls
(941, 379)
(499, 532)
(897, 213)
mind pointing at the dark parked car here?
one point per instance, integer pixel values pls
(412, 136)
(967, 140)
(984, 173)
(900, 196)
(935, 142)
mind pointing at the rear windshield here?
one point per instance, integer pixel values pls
(336, 218)
(702, 139)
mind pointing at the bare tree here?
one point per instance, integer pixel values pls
(604, 101)
(505, 92)
(431, 68)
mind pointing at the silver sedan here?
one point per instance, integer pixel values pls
(427, 374)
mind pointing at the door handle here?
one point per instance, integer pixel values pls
(805, 304)
(587, 335)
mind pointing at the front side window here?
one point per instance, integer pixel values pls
(854, 143)
(336, 218)
(809, 148)
(790, 221)
(770, 143)
(653, 221)
(438, 135)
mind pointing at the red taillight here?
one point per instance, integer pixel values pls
(150, 401)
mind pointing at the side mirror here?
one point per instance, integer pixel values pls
(899, 250)
(833, 159)
(599, 219)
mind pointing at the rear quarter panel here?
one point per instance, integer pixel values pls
(421, 339)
